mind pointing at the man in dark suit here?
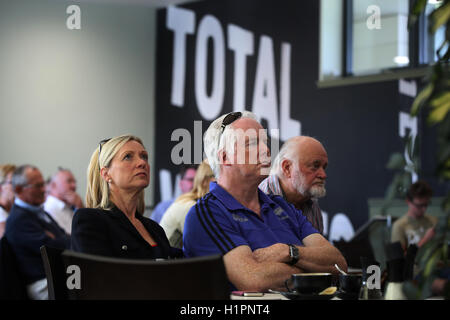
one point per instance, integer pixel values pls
(29, 227)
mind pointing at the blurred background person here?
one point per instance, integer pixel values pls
(298, 175)
(6, 194)
(112, 224)
(29, 227)
(62, 199)
(187, 174)
(173, 219)
(415, 226)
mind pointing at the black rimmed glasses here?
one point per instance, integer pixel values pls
(100, 145)
(35, 185)
(421, 205)
(229, 119)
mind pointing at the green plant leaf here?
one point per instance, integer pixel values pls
(439, 17)
(444, 155)
(425, 252)
(446, 205)
(440, 99)
(406, 183)
(423, 95)
(431, 263)
(411, 147)
(418, 7)
(445, 252)
(439, 113)
(396, 161)
(411, 291)
(416, 10)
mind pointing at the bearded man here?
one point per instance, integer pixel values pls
(298, 175)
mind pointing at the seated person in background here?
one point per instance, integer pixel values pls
(6, 194)
(62, 199)
(440, 285)
(29, 227)
(298, 175)
(263, 238)
(112, 224)
(173, 219)
(415, 227)
(187, 174)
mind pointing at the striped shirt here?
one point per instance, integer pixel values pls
(218, 223)
(310, 208)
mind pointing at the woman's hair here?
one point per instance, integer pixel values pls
(201, 183)
(6, 169)
(97, 192)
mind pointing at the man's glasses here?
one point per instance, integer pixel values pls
(35, 185)
(421, 205)
(229, 119)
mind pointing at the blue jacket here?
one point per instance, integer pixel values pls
(26, 233)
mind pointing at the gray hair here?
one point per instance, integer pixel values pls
(19, 177)
(215, 141)
(288, 151)
(58, 170)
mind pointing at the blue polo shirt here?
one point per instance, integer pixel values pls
(218, 223)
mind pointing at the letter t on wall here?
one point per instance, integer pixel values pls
(182, 23)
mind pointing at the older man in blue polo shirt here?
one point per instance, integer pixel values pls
(263, 238)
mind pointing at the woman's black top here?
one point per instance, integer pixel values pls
(110, 233)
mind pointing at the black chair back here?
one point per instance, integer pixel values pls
(201, 278)
(54, 272)
(12, 283)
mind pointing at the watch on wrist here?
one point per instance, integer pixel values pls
(293, 254)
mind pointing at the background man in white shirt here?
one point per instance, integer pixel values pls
(62, 199)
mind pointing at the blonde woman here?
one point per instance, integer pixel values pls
(173, 219)
(6, 194)
(113, 224)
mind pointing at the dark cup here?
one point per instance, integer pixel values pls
(309, 283)
(350, 283)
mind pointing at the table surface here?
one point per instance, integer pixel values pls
(266, 296)
(277, 296)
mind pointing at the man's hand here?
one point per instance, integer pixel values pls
(278, 252)
(73, 199)
(246, 273)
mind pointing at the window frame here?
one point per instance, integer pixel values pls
(416, 50)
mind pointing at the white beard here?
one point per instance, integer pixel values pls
(315, 191)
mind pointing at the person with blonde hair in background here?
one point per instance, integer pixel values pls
(173, 219)
(6, 194)
(112, 224)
